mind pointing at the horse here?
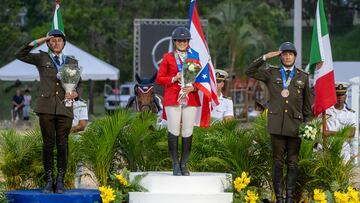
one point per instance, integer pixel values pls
(145, 98)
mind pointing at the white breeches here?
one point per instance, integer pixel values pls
(179, 117)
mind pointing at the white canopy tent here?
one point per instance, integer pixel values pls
(92, 67)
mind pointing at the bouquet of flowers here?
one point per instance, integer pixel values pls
(309, 131)
(69, 76)
(188, 76)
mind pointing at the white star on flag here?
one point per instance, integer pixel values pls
(204, 76)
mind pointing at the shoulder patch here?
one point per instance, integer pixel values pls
(272, 66)
(350, 110)
(301, 70)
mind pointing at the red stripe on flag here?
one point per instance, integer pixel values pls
(325, 95)
(196, 21)
(205, 113)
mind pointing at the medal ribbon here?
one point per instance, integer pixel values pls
(58, 66)
(179, 63)
(286, 83)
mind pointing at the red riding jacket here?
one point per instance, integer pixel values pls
(168, 69)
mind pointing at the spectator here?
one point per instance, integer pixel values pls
(18, 104)
(27, 103)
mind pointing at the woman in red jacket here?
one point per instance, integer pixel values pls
(180, 117)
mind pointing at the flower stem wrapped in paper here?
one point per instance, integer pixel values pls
(190, 70)
(69, 76)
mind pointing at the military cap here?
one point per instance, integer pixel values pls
(341, 88)
(221, 75)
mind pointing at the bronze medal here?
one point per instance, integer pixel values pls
(285, 93)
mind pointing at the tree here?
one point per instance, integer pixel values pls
(246, 27)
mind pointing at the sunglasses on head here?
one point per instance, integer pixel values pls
(181, 40)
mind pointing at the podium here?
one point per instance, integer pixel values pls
(37, 196)
(163, 187)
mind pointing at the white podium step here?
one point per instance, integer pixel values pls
(149, 197)
(163, 187)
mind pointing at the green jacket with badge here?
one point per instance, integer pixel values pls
(51, 93)
(284, 114)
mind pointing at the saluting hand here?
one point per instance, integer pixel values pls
(40, 40)
(272, 54)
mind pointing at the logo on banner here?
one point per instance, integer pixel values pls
(157, 52)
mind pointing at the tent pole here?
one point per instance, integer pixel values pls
(91, 96)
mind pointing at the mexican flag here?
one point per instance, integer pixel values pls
(321, 63)
(57, 19)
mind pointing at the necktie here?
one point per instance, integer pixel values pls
(57, 61)
(287, 74)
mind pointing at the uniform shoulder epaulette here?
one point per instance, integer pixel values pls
(257, 59)
(72, 57)
(273, 66)
(301, 70)
(350, 110)
(227, 97)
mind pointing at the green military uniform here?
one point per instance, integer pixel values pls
(51, 93)
(55, 119)
(284, 114)
(288, 107)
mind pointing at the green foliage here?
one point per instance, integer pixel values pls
(142, 146)
(131, 185)
(21, 159)
(131, 140)
(324, 169)
(2, 195)
(98, 143)
(123, 139)
(239, 31)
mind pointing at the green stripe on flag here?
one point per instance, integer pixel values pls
(57, 20)
(315, 54)
(324, 29)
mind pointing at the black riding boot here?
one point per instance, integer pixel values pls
(278, 182)
(60, 188)
(49, 183)
(291, 184)
(185, 154)
(173, 150)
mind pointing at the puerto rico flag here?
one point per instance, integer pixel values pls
(205, 80)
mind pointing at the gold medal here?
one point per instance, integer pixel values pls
(285, 93)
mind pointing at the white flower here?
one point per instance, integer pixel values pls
(192, 67)
(71, 72)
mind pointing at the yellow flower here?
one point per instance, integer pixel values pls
(341, 197)
(241, 182)
(353, 195)
(251, 197)
(122, 180)
(319, 196)
(107, 194)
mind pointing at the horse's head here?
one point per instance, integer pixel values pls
(144, 92)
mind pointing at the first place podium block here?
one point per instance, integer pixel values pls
(70, 196)
(163, 187)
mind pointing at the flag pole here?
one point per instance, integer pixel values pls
(324, 128)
